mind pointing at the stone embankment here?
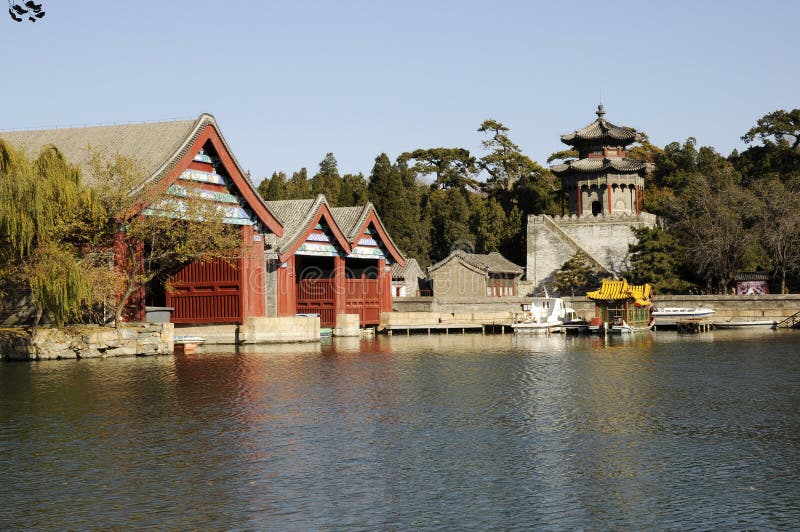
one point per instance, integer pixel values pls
(419, 310)
(86, 341)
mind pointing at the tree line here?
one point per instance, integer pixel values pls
(717, 215)
(434, 199)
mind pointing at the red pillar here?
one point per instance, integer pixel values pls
(287, 289)
(580, 193)
(253, 274)
(636, 192)
(339, 286)
(608, 191)
(385, 286)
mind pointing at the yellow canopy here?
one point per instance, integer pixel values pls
(610, 290)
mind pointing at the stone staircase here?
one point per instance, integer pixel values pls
(571, 242)
(792, 322)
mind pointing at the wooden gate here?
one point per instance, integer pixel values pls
(207, 292)
(316, 296)
(363, 298)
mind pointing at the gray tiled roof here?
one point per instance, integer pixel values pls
(152, 145)
(350, 219)
(601, 129)
(492, 262)
(294, 216)
(599, 165)
(411, 267)
(156, 146)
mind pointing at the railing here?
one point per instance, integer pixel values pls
(316, 296)
(211, 308)
(791, 322)
(206, 292)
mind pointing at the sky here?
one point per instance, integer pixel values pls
(289, 82)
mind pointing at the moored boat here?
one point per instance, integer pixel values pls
(543, 315)
(745, 324)
(671, 315)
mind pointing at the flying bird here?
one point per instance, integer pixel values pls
(19, 9)
(34, 6)
(15, 17)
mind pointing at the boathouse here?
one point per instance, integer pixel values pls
(180, 157)
(463, 274)
(330, 261)
(616, 301)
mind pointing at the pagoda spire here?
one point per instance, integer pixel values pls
(600, 111)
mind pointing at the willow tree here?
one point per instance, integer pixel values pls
(44, 214)
(154, 234)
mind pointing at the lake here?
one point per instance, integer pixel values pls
(658, 430)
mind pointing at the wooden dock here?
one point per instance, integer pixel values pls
(695, 326)
(446, 328)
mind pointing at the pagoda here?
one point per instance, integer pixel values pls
(603, 181)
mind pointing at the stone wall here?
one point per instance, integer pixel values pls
(551, 241)
(459, 305)
(86, 341)
(727, 307)
(259, 330)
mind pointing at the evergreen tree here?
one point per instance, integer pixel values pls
(327, 180)
(576, 275)
(397, 203)
(353, 191)
(299, 186)
(489, 225)
(449, 212)
(658, 259)
(275, 188)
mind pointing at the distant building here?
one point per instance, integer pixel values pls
(463, 274)
(616, 301)
(408, 280)
(605, 192)
(752, 283)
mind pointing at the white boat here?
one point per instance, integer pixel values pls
(745, 324)
(625, 328)
(543, 315)
(672, 315)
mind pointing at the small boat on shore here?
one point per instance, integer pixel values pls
(187, 344)
(764, 324)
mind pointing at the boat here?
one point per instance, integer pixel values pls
(767, 324)
(187, 344)
(672, 315)
(543, 315)
(622, 327)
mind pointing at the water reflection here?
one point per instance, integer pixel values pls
(445, 431)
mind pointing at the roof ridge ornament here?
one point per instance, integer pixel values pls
(600, 112)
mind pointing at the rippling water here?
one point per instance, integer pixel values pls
(440, 432)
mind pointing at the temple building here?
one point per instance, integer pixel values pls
(604, 194)
(299, 257)
(603, 180)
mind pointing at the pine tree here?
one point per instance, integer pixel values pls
(327, 180)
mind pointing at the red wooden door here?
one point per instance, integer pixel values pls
(363, 298)
(207, 292)
(316, 296)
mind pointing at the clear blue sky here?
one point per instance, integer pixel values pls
(290, 81)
